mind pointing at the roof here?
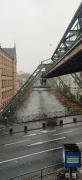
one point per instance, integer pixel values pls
(9, 51)
(71, 147)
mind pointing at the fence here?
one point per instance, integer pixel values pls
(40, 174)
(55, 171)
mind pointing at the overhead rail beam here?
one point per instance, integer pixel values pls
(67, 58)
(71, 34)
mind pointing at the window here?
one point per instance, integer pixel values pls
(2, 95)
(2, 71)
(2, 83)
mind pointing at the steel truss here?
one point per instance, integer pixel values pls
(77, 79)
(65, 91)
(23, 90)
(70, 37)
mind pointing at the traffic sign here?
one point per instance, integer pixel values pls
(71, 155)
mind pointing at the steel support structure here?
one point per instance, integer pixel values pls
(23, 90)
(65, 91)
(77, 79)
(70, 37)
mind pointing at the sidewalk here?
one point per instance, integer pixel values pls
(17, 128)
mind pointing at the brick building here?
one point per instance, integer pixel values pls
(8, 74)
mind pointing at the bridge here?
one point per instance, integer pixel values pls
(66, 59)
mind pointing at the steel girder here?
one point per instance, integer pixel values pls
(70, 39)
(71, 35)
(77, 79)
(65, 89)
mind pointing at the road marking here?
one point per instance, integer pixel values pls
(63, 133)
(35, 143)
(42, 142)
(79, 143)
(16, 142)
(41, 132)
(30, 135)
(28, 155)
(46, 131)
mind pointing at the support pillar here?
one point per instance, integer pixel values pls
(70, 173)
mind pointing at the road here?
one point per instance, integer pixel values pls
(22, 152)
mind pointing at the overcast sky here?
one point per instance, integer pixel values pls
(36, 26)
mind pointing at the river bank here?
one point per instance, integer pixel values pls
(72, 106)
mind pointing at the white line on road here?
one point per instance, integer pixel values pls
(41, 132)
(35, 135)
(28, 155)
(35, 143)
(46, 141)
(30, 135)
(17, 142)
(46, 131)
(63, 133)
(79, 143)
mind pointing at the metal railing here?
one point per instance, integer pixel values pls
(40, 174)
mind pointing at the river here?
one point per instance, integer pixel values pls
(41, 103)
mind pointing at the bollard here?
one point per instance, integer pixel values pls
(61, 122)
(10, 131)
(25, 129)
(74, 120)
(44, 125)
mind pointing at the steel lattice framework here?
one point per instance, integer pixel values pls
(71, 41)
(72, 36)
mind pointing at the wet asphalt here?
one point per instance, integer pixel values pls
(24, 152)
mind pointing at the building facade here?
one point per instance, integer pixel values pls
(20, 82)
(8, 75)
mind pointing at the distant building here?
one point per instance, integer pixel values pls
(20, 82)
(8, 74)
(72, 84)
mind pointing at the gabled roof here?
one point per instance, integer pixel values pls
(9, 51)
